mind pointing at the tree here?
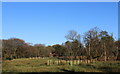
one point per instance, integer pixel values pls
(42, 50)
(91, 40)
(17, 48)
(77, 48)
(117, 50)
(107, 44)
(71, 35)
(59, 49)
(73, 45)
(50, 49)
(68, 46)
(74, 37)
(11, 47)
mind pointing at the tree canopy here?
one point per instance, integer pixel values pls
(97, 44)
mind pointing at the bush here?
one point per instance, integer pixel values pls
(9, 58)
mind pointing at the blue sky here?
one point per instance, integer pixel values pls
(48, 22)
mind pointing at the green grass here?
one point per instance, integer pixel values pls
(39, 65)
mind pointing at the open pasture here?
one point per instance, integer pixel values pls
(55, 65)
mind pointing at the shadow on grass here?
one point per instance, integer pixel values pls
(66, 70)
(109, 69)
(45, 72)
(103, 69)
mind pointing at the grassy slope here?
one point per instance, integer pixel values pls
(38, 65)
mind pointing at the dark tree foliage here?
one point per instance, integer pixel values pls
(59, 50)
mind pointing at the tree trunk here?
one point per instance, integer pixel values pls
(105, 52)
(116, 54)
(89, 52)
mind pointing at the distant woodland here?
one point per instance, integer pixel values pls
(94, 44)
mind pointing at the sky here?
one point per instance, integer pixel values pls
(48, 22)
(60, 0)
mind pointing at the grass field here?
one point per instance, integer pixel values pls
(40, 65)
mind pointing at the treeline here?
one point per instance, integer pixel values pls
(95, 44)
